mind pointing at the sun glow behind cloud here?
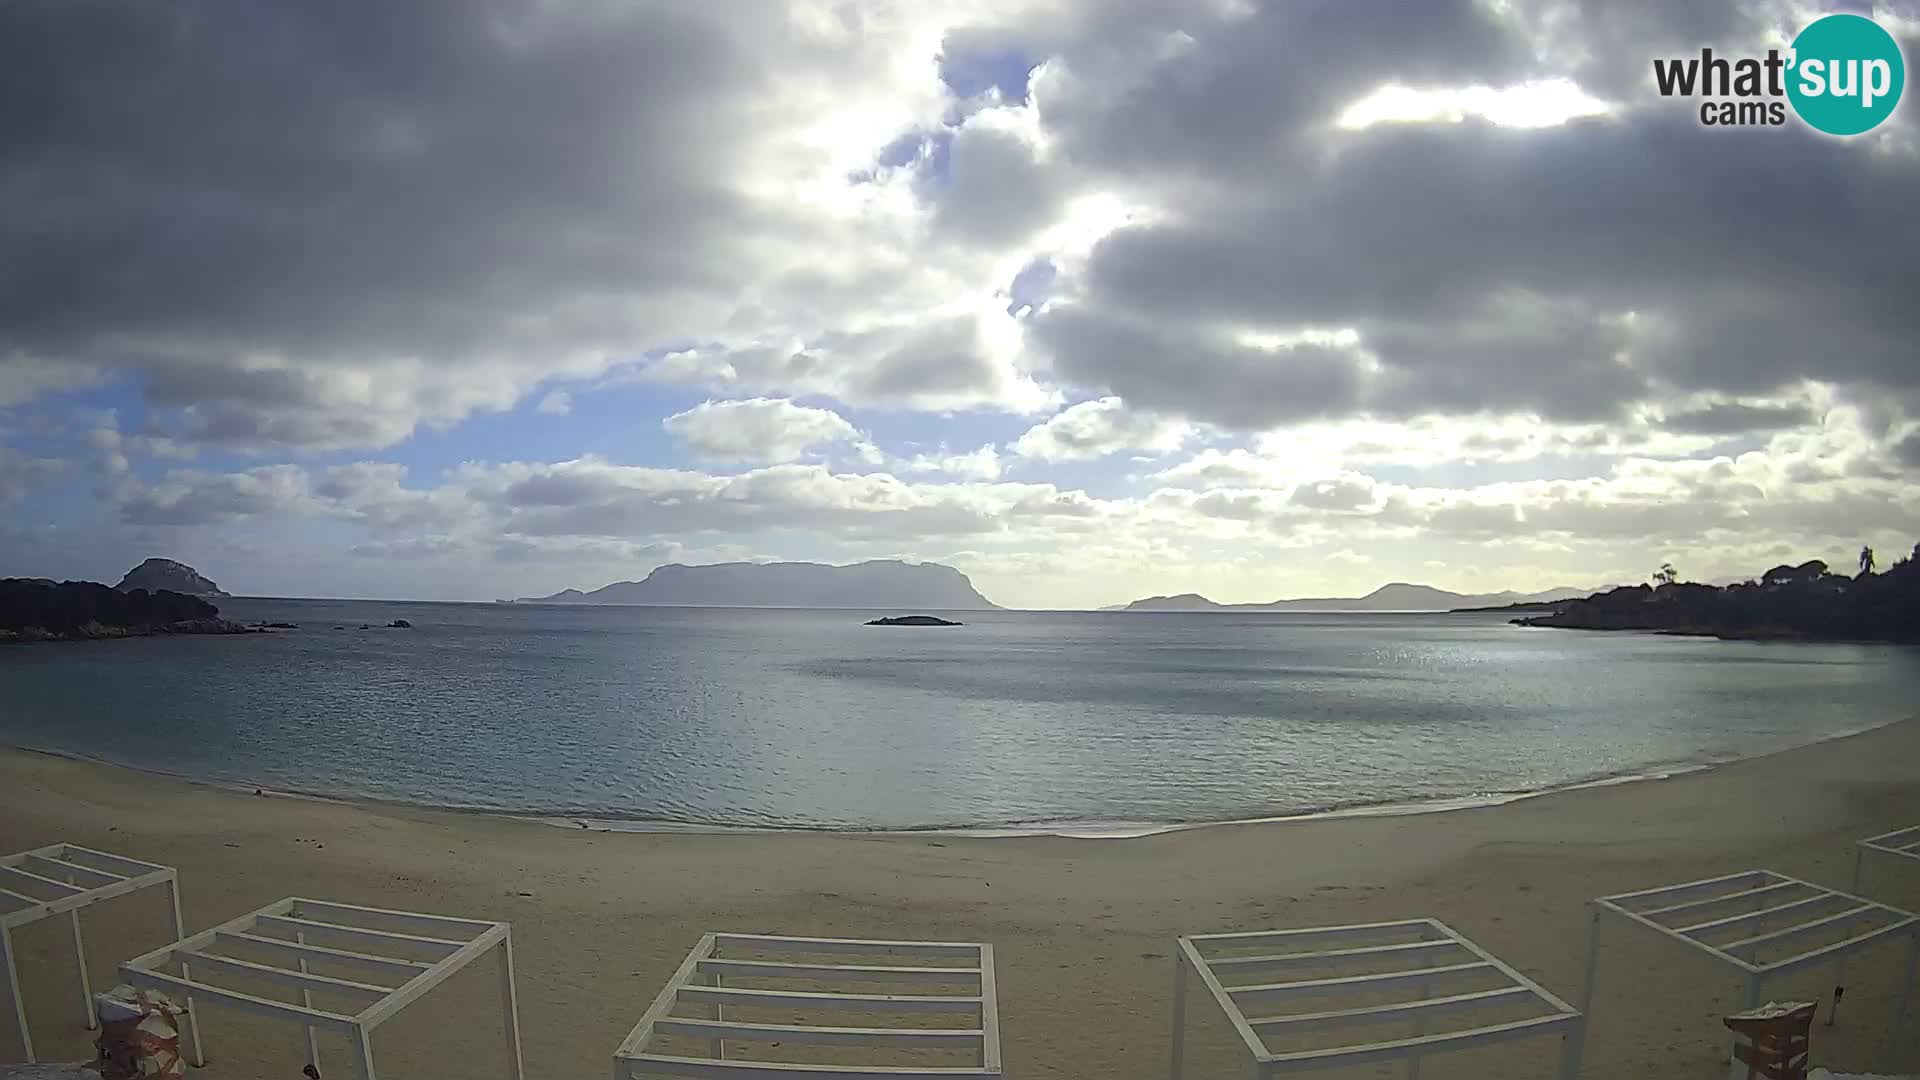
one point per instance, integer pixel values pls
(1544, 103)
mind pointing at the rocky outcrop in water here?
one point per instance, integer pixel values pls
(35, 610)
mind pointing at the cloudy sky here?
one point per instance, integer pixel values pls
(457, 299)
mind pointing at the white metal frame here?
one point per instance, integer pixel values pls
(1435, 954)
(1739, 917)
(698, 982)
(1900, 843)
(60, 879)
(395, 957)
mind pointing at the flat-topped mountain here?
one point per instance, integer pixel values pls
(881, 583)
(157, 575)
(1397, 596)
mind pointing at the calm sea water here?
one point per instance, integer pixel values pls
(809, 718)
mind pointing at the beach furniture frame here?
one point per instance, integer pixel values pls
(61, 879)
(699, 981)
(1425, 954)
(393, 957)
(1741, 919)
(1900, 843)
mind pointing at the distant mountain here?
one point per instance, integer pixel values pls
(879, 584)
(156, 575)
(1398, 596)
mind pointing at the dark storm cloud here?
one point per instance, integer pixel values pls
(1735, 418)
(1629, 254)
(214, 192)
(1207, 379)
(1155, 91)
(1907, 451)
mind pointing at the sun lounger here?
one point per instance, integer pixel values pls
(60, 879)
(363, 964)
(1282, 989)
(751, 1006)
(1763, 925)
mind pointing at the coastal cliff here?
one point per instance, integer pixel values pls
(35, 609)
(1803, 602)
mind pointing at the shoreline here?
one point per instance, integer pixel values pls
(1083, 931)
(1079, 828)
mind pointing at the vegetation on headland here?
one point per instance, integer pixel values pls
(1804, 602)
(35, 609)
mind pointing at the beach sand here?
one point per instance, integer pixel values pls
(1084, 928)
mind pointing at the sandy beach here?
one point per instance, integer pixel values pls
(1084, 928)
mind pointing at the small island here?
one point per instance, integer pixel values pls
(913, 620)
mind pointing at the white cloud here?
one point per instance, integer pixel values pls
(1527, 105)
(979, 464)
(1095, 429)
(1296, 280)
(20, 473)
(759, 430)
(24, 377)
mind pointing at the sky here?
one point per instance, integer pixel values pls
(465, 299)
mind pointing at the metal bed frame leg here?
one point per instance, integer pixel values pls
(1179, 1013)
(13, 991)
(510, 1010)
(180, 934)
(1574, 1043)
(306, 999)
(1573, 1047)
(1900, 1015)
(1419, 1026)
(80, 958)
(363, 1053)
(718, 1048)
(1840, 966)
(1752, 1002)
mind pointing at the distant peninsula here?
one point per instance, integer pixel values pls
(1805, 602)
(1397, 596)
(166, 575)
(39, 609)
(881, 583)
(913, 620)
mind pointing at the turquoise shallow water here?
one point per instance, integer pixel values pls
(808, 718)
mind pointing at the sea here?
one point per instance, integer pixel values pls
(1076, 722)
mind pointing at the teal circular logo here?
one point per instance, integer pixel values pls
(1846, 74)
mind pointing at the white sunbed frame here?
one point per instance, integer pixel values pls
(369, 938)
(61, 879)
(704, 965)
(1442, 955)
(1713, 906)
(1900, 843)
